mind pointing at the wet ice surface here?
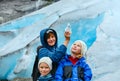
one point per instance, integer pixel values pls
(99, 28)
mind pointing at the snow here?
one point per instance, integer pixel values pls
(96, 22)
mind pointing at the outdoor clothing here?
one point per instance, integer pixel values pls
(67, 71)
(48, 77)
(35, 72)
(73, 60)
(54, 52)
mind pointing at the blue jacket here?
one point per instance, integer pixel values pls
(48, 77)
(68, 72)
(54, 52)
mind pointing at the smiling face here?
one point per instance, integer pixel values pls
(51, 40)
(44, 69)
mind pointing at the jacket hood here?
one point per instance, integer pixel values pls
(44, 40)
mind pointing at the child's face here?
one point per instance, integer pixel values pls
(44, 69)
(76, 48)
(51, 39)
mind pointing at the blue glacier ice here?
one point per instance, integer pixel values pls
(95, 22)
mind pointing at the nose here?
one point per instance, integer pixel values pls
(43, 68)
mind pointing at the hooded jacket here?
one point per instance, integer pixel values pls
(54, 52)
(68, 72)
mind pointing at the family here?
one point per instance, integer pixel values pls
(54, 64)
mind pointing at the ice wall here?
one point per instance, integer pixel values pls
(91, 21)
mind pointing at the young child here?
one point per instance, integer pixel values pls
(45, 66)
(49, 41)
(49, 48)
(74, 67)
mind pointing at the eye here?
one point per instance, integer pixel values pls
(74, 44)
(41, 67)
(52, 36)
(79, 45)
(46, 67)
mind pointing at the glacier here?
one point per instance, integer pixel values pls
(96, 22)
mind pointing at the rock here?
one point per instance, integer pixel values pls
(12, 9)
(8, 12)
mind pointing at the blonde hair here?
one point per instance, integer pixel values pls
(83, 48)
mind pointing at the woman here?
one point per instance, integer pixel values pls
(50, 49)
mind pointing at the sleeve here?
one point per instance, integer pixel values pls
(59, 72)
(87, 73)
(56, 56)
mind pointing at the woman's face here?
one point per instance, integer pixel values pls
(76, 48)
(44, 69)
(51, 39)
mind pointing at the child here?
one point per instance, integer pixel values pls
(49, 41)
(49, 48)
(74, 67)
(45, 66)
